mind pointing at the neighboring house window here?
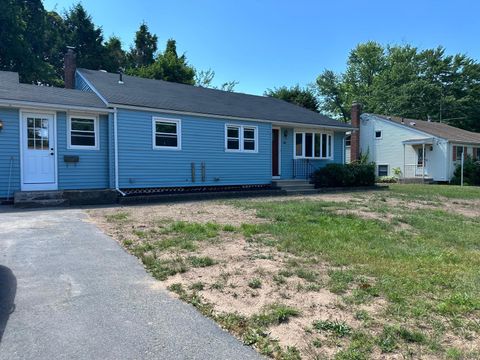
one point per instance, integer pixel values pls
(477, 153)
(167, 134)
(459, 152)
(348, 140)
(82, 132)
(382, 170)
(378, 134)
(313, 145)
(241, 138)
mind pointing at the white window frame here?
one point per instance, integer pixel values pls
(378, 169)
(313, 132)
(96, 128)
(178, 124)
(241, 139)
(375, 134)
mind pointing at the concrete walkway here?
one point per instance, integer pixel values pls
(76, 294)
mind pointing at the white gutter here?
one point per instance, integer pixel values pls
(36, 105)
(115, 140)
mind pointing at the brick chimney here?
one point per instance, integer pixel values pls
(70, 66)
(355, 139)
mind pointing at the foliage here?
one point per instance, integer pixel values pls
(339, 328)
(387, 179)
(204, 78)
(145, 47)
(405, 81)
(397, 172)
(33, 42)
(87, 39)
(345, 175)
(304, 97)
(167, 66)
(471, 172)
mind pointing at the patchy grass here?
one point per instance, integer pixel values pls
(383, 275)
(339, 328)
(419, 191)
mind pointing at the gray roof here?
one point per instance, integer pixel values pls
(437, 129)
(12, 90)
(9, 77)
(158, 94)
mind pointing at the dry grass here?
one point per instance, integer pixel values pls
(236, 263)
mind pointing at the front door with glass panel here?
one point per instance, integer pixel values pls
(38, 131)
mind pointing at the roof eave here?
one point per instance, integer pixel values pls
(217, 116)
(51, 106)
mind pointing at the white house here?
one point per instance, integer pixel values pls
(416, 148)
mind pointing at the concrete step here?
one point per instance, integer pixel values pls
(20, 196)
(28, 204)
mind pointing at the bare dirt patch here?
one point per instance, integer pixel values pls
(246, 275)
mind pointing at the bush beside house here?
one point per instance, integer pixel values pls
(345, 175)
(471, 172)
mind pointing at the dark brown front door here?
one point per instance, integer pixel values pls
(275, 154)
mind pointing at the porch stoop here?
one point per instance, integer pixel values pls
(295, 187)
(61, 198)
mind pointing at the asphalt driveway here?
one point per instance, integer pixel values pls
(67, 291)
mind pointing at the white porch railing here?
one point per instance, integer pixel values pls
(414, 171)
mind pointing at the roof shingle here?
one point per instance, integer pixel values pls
(437, 129)
(11, 89)
(158, 94)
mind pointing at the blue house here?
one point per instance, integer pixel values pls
(111, 131)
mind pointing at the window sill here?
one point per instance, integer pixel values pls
(89, 148)
(167, 148)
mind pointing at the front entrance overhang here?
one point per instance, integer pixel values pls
(426, 141)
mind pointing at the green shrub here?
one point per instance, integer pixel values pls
(387, 179)
(345, 175)
(471, 172)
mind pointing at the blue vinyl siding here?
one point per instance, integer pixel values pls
(203, 140)
(287, 152)
(9, 152)
(92, 171)
(80, 84)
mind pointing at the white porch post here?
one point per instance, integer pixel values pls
(404, 166)
(423, 161)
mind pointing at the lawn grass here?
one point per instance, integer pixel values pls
(429, 274)
(432, 268)
(422, 261)
(413, 191)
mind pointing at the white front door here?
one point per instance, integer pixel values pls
(38, 142)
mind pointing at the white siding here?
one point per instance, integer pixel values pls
(389, 149)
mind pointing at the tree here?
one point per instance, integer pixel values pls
(304, 97)
(167, 66)
(204, 78)
(145, 47)
(22, 43)
(115, 56)
(405, 81)
(87, 39)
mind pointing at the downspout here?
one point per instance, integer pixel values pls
(115, 140)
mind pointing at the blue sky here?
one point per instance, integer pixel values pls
(269, 43)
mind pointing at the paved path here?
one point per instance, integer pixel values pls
(78, 295)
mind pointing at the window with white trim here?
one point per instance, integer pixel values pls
(382, 170)
(166, 134)
(313, 145)
(378, 134)
(82, 132)
(241, 138)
